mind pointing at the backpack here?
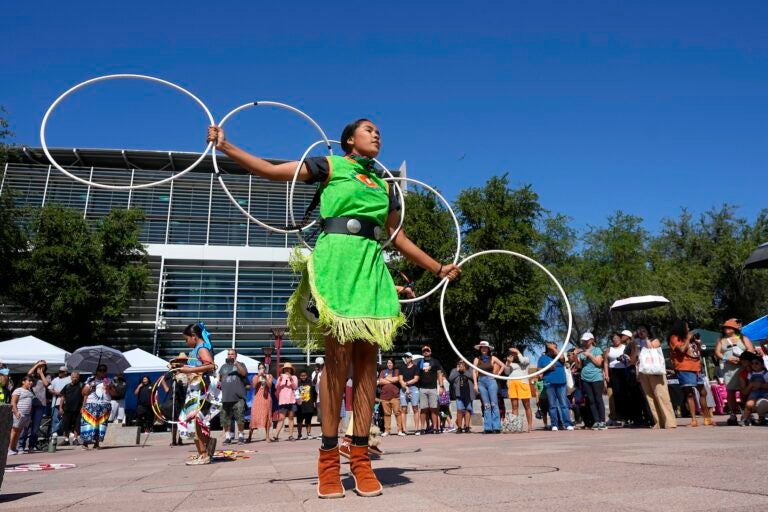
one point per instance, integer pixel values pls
(119, 386)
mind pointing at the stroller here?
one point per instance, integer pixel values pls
(44, 434)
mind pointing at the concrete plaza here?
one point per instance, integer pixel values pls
(721, 468)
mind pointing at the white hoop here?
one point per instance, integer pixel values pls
(458, 236)
(226, 189)
(559, 287)
(300, 163)
(44, 145)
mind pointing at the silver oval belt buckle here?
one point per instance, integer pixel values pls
(377, 232)
(354, 226)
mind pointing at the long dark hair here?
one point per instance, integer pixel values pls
(679, 329)
(349, 131)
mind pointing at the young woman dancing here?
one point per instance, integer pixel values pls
(353, 291)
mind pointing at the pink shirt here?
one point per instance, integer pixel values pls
(285, 391)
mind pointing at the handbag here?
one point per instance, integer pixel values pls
(651, 361)
(570, 385)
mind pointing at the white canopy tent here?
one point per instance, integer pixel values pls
(144, 362)
(251, 365)
(19, 354)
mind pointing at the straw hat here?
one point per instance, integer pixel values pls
(288, 366)
(483, 344)
(181, 358)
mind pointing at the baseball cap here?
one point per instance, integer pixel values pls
(63, 369)
(319, 360)
(5, 371)
(627, 332)
(587, 336)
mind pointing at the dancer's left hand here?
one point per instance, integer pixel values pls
(451, 271)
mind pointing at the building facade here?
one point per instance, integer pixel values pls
(208, 261)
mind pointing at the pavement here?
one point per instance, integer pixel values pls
(704, 468)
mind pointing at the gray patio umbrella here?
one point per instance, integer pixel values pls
(758, 258)
(87, 359)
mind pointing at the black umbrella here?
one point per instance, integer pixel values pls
(758, 258)
(87, 359)
(639, 303)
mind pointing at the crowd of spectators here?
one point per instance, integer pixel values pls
(629, 381)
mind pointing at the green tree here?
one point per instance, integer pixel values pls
(77, 281)
(5, 134)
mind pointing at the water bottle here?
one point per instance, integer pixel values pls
(52, 443)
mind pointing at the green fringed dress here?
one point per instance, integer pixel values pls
(345, 274)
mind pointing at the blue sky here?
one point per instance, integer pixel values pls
(640, 106)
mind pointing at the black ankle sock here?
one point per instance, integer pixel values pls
(329, 443)
(359, 440)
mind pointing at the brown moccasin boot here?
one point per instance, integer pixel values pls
(366, 483)
(328, 474)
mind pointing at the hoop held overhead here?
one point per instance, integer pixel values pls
(559, 287)
(79, 86)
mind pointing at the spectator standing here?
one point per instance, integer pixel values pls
(428, 367)
(261, 406)
(409, 392)
(57, 384)
(118, 399)
(286, 399)
(5, 392)
(728, 349)
(145, 418)
(306, 404)
(70, 404)
(655, 387)
(590, 360)
(21, 402)
(487, 388)
(616, 377)
(174, 383)
(316, 376)
(686, 358)
(464, 391)
(637, 408)
(555, 386)
(96, 410)
(233, 378)
(389, 396)
(38, 373)
(519, 390)
(542, 404)
(444, 402)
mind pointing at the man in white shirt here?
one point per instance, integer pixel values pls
(55, 387)
(316, 376)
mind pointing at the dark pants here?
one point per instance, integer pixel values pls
(145, 418)
(28, 438)
(594, 393)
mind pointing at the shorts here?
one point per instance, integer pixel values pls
(427, 398)
(519, 389)
(22, 421)
(690, 379)
(304, 418)
(70, 420)
(445, 411)
(461, 406)
(413, 399)
(761, 407)
(231, 410)
(287, 408)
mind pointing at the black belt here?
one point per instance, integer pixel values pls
(352, 226)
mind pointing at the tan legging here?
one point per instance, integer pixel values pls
(390, 407)
(657, 394)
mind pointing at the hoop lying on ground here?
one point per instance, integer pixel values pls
(79, 86)
(458, 235)
(293, 188)
(559, 287)
(218, 171)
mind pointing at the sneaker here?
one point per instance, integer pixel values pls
(402, 434)
(553, 429)
(419, 432)
(602, 426)
(240, 439)
(452, 429)
(12, 452)
(732, 421)
(746, 422)
(467, 430)
(569, 427)
(227, 440)
(384, 434)
(199, 460)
